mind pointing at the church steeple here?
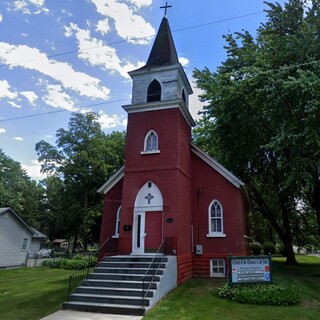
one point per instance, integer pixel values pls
(161, 83)
(163, 52)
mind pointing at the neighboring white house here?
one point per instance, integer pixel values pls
(16, 239)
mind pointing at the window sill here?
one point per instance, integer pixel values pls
(217, 275)
(116, 236)
(216, 235)
(150, 152)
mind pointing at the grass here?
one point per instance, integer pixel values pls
(32, 293)
(198, 299)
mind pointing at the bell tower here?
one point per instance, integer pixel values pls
(157, 152)
(162, 79)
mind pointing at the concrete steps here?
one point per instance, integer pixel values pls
(116, 286)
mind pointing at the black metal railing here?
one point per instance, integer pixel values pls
(82, 272)
(161, 252)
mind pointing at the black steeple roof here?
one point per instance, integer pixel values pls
(163, 52)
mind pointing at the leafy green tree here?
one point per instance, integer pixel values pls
(83, 158)
(263, 113)
(18, 191)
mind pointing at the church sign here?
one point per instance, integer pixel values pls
(250, 269)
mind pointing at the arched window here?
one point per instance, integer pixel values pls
(151, 142)
(154, 91)
(183, 96)
(216, 219)
(118, 218)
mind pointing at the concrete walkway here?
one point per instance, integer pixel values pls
(77, 315)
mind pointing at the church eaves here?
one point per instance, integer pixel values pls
(163, 52)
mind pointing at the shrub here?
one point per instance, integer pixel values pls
(78, 262)
(280, 249)
(269, 248)
(262, 294)
(256, 248)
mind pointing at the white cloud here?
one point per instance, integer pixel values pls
(103, 26)
(96, 52)
(128, 25)
(5, 91)
(83, 84)
(1, 17)
(18, 138)
(29, 6)
(184, 61)
(58, 99)
(3, 130)
(34, 170)
(31, 96)
(14, 104)
(195, 105)
(112, 121)
(141, 3)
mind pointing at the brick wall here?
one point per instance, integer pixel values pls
(184, 268)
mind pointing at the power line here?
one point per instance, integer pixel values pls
(134, 39)
(59, 111)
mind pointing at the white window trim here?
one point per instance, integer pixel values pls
(212, 234)
(217, 275)
(216, 235)
(150, 152)
(145, 151)
(117, 226)
(25, 243)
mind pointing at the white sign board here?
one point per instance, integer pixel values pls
(250, 269)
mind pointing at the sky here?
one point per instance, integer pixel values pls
(64, 56)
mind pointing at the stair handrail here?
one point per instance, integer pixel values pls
(145, 292)
(82, 273)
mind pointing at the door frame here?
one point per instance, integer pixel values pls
(143, 205)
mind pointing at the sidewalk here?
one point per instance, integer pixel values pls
(77, 315)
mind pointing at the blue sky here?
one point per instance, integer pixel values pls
(61, 56)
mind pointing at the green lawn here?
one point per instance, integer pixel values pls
(198, 299)
(32, 293)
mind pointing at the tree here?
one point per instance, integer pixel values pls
(83, 158)
(263, 112)
(18, 191)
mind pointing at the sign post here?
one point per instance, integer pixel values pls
(250, 269)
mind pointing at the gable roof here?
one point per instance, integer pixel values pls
(112, 181)
(163, 51)
(217, 166)
(35, 233)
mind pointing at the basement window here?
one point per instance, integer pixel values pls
(217, 268)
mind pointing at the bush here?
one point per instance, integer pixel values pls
(78, 262)
(256, 248)
(262, 294)
(269, 248)
(280, 249)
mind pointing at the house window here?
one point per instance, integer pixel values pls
(215, 220)
(151, 142)
(154, 91)
(217, 268)
(118, 218)
(24, 244)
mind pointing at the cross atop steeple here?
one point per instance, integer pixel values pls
(165, 8)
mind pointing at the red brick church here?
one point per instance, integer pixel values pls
(169, 193)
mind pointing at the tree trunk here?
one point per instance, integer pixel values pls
(314, 200)
(75, 242)
(290, 255)
(283, 231)
(85, 209)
